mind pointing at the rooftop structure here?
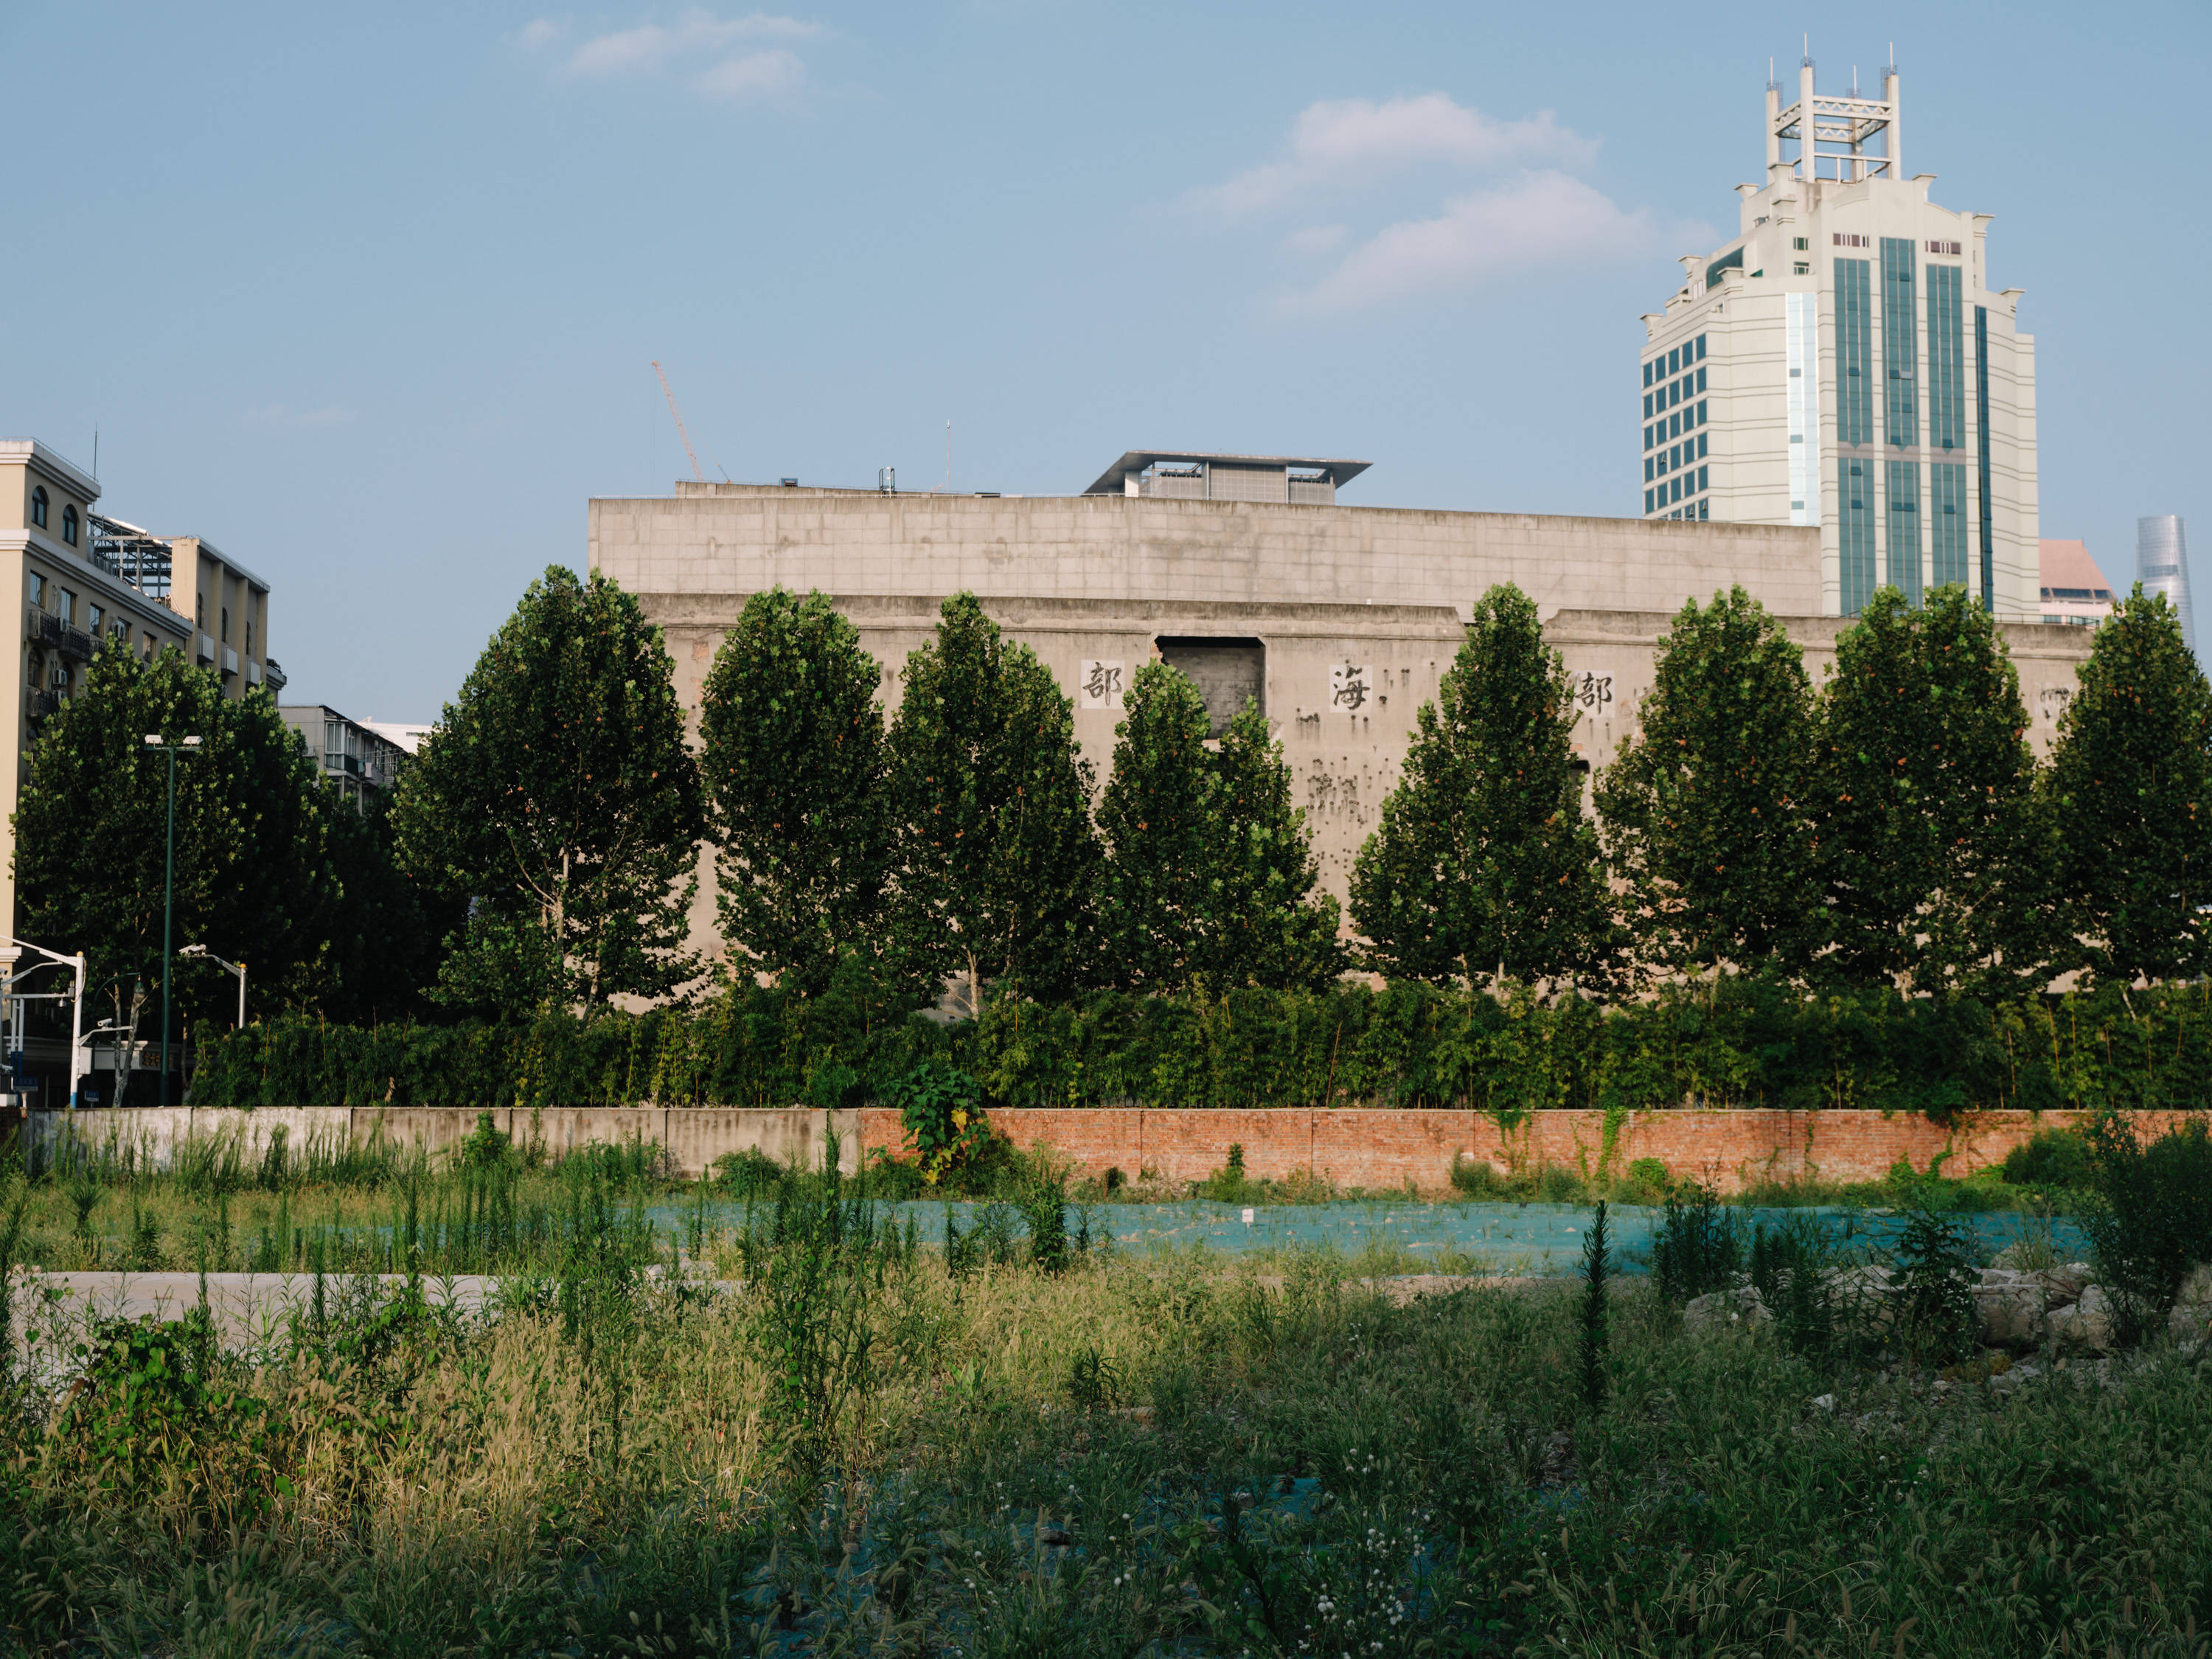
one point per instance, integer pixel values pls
(406, 735)
(2075, 590)
(1200, 476)
(1844, 364)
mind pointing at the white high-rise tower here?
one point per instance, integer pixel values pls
(1844, 362)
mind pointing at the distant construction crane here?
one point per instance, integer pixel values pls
(691, 454)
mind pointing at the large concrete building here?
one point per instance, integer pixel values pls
(1340, 619)
(1845, 363)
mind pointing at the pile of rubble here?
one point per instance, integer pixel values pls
(2016, 1307)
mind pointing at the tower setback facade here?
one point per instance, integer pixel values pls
(2162, 566)
(1844, 364)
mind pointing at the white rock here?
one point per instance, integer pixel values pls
(2191, 1317)
(2063, 1283)
(2087, 1325)
(2012, 1311)
(1718, 1309)
(1824, 1402)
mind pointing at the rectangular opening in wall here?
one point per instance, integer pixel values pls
(1227, 672)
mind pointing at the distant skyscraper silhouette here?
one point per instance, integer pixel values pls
(2162, 562)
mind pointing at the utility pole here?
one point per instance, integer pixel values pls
(168, 893)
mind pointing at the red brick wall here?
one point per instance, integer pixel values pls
(1386, 1149)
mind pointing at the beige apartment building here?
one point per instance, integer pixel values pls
(82, 581)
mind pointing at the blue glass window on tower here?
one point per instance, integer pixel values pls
(1701, 478)
(1902, 535)
(1701, 379)
(1647, 469)
(1675, 360)
(1855, 536)
(1980, 434)
(1900, 338)
(1854, 355)
(1704, 509)
(1647, 374)
(1647, 500)
(1701, 411)
(1701, 446)
(1946, 359)
(1701, 347)
(1647, 405)
(1946, 522)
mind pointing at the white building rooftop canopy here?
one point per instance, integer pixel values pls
(1199, 475)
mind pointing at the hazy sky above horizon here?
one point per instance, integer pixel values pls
(370, 300)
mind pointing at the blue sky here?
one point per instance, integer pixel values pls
(369, 298)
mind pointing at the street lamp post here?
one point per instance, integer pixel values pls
(237, 968)
(11, 953)
(168, 892)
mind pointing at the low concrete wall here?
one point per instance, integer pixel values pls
(693, 1137)
(1350, 1147)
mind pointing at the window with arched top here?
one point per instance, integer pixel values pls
(38, 506)
(69, 526)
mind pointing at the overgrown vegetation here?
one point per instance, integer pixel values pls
(1016, 1447)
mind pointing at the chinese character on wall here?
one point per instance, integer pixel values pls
(1350, 685)
(1100, 683)
(1593, 690)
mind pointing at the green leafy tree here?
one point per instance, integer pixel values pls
(1707, 813)
(1935, 853)
(797, 775)
(254, 881)
(1277, 928)
(997, 859)
(384, 933)
(2129, 787)
(558, 801)
(1483, 862)
(1210, 873)
(1157, 819)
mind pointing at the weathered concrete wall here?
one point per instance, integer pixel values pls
(1093, 581)
(741, 538)
(1352, 1147)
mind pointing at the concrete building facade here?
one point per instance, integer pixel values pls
(1845, 363)
(1341, 619)
(358, 761)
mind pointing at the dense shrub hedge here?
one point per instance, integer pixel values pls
(1750, 1043)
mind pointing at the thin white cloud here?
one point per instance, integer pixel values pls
(1542, 219)
(694, 36)
(758, 75)
(279, 414)
(1315, 240)
(707, 49)
(1340, 142)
